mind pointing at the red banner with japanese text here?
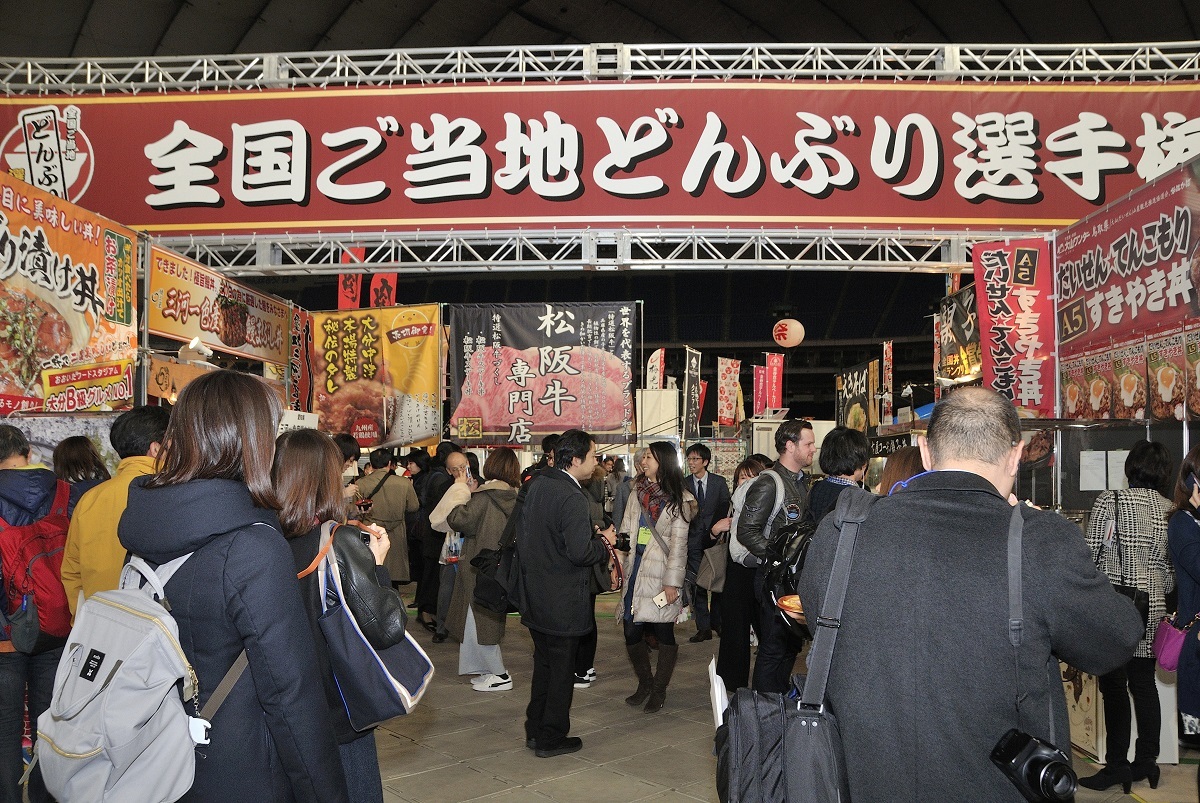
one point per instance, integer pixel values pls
(1014, 283)
(774, 381)
(349, 287)
(760, 389)
(67, 302)
(672, 154)
(1129, 269)
(383, 290)
(300, 360)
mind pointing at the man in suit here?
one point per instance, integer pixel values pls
(712, 495)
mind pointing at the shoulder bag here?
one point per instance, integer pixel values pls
(773, 747)
(1141, 599)
(711, 574)
(1168, 641)
(376, 684)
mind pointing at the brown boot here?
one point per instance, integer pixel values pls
(667, 653)
(639, 656)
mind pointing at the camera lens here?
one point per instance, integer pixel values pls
(1057, 782)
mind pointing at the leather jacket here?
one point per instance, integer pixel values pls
(760, 502)
(377, 608)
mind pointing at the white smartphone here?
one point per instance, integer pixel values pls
(661, 599)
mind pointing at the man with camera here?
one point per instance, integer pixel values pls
(925, 679)
(556, 550)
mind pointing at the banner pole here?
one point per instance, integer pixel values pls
(143, 355)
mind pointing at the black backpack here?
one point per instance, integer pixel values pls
(785, 559)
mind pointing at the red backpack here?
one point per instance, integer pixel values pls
(37, 617)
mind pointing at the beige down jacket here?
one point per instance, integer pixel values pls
(657, 570)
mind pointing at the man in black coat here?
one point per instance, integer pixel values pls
(555, 553)
(712, 497)
(924, 680)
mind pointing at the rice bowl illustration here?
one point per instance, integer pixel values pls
(1100, 398)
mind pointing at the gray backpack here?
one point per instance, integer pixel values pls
(117, 728)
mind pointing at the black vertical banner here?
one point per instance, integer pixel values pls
(691, 395)
(521, 371)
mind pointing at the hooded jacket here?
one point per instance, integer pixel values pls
(26, 494)
(272, 739)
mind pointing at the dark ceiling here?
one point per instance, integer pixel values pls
(97, 28)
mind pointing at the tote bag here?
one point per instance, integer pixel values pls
(376, 685)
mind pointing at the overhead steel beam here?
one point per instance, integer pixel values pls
(1120, 63)
(590, 249)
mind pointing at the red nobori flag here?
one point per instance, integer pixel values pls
(1014, 285)
(349, 292)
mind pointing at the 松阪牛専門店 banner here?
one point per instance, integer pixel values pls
(68, 317)
(521, 371)
(376, 374)
(671, 154)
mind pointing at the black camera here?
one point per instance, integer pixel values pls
(1040, 771)
(623, 542)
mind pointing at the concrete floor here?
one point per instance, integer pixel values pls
(461, 744)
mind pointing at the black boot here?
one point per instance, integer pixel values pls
(667, 654)
(1146, 771)
(1110, 776)
(639, 656)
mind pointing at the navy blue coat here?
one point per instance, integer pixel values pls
(1183, 540)
(273, 739)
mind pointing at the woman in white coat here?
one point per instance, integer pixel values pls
(656, 519)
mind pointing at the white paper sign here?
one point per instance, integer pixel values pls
(1093, 471)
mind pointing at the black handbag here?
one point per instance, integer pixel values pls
(1140, 598)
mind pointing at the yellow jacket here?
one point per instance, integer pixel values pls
(93, 556)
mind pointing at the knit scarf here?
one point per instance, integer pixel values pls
(651, 497)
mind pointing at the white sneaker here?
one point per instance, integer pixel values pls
(591, 674)
(495, 683)
(484, 678)
(583, 682)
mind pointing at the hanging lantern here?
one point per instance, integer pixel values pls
(788, 332)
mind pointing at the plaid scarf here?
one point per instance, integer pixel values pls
(651, 497)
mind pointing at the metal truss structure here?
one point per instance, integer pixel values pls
(1107, 63)
(522, 250)
(622, 249)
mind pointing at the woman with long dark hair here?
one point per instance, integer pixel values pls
(78, 462)
(1183, 540)
(656, 518)
(1127, 535)
(307, 476)
(212, 498)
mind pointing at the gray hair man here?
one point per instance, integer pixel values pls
(923, 658)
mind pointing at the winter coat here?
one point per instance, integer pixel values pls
(393, 500)
(429, 492)
(480, 520)
(272, 739)
(356, 564)
(924, 678)
(1142, 525)
(1183, 537)
(27, 493)
(555, 553)
(657, 570)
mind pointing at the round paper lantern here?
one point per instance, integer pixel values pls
(788, 332)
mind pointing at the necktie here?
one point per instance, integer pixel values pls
(700, 491)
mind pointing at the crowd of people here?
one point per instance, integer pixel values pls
(925, 678)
